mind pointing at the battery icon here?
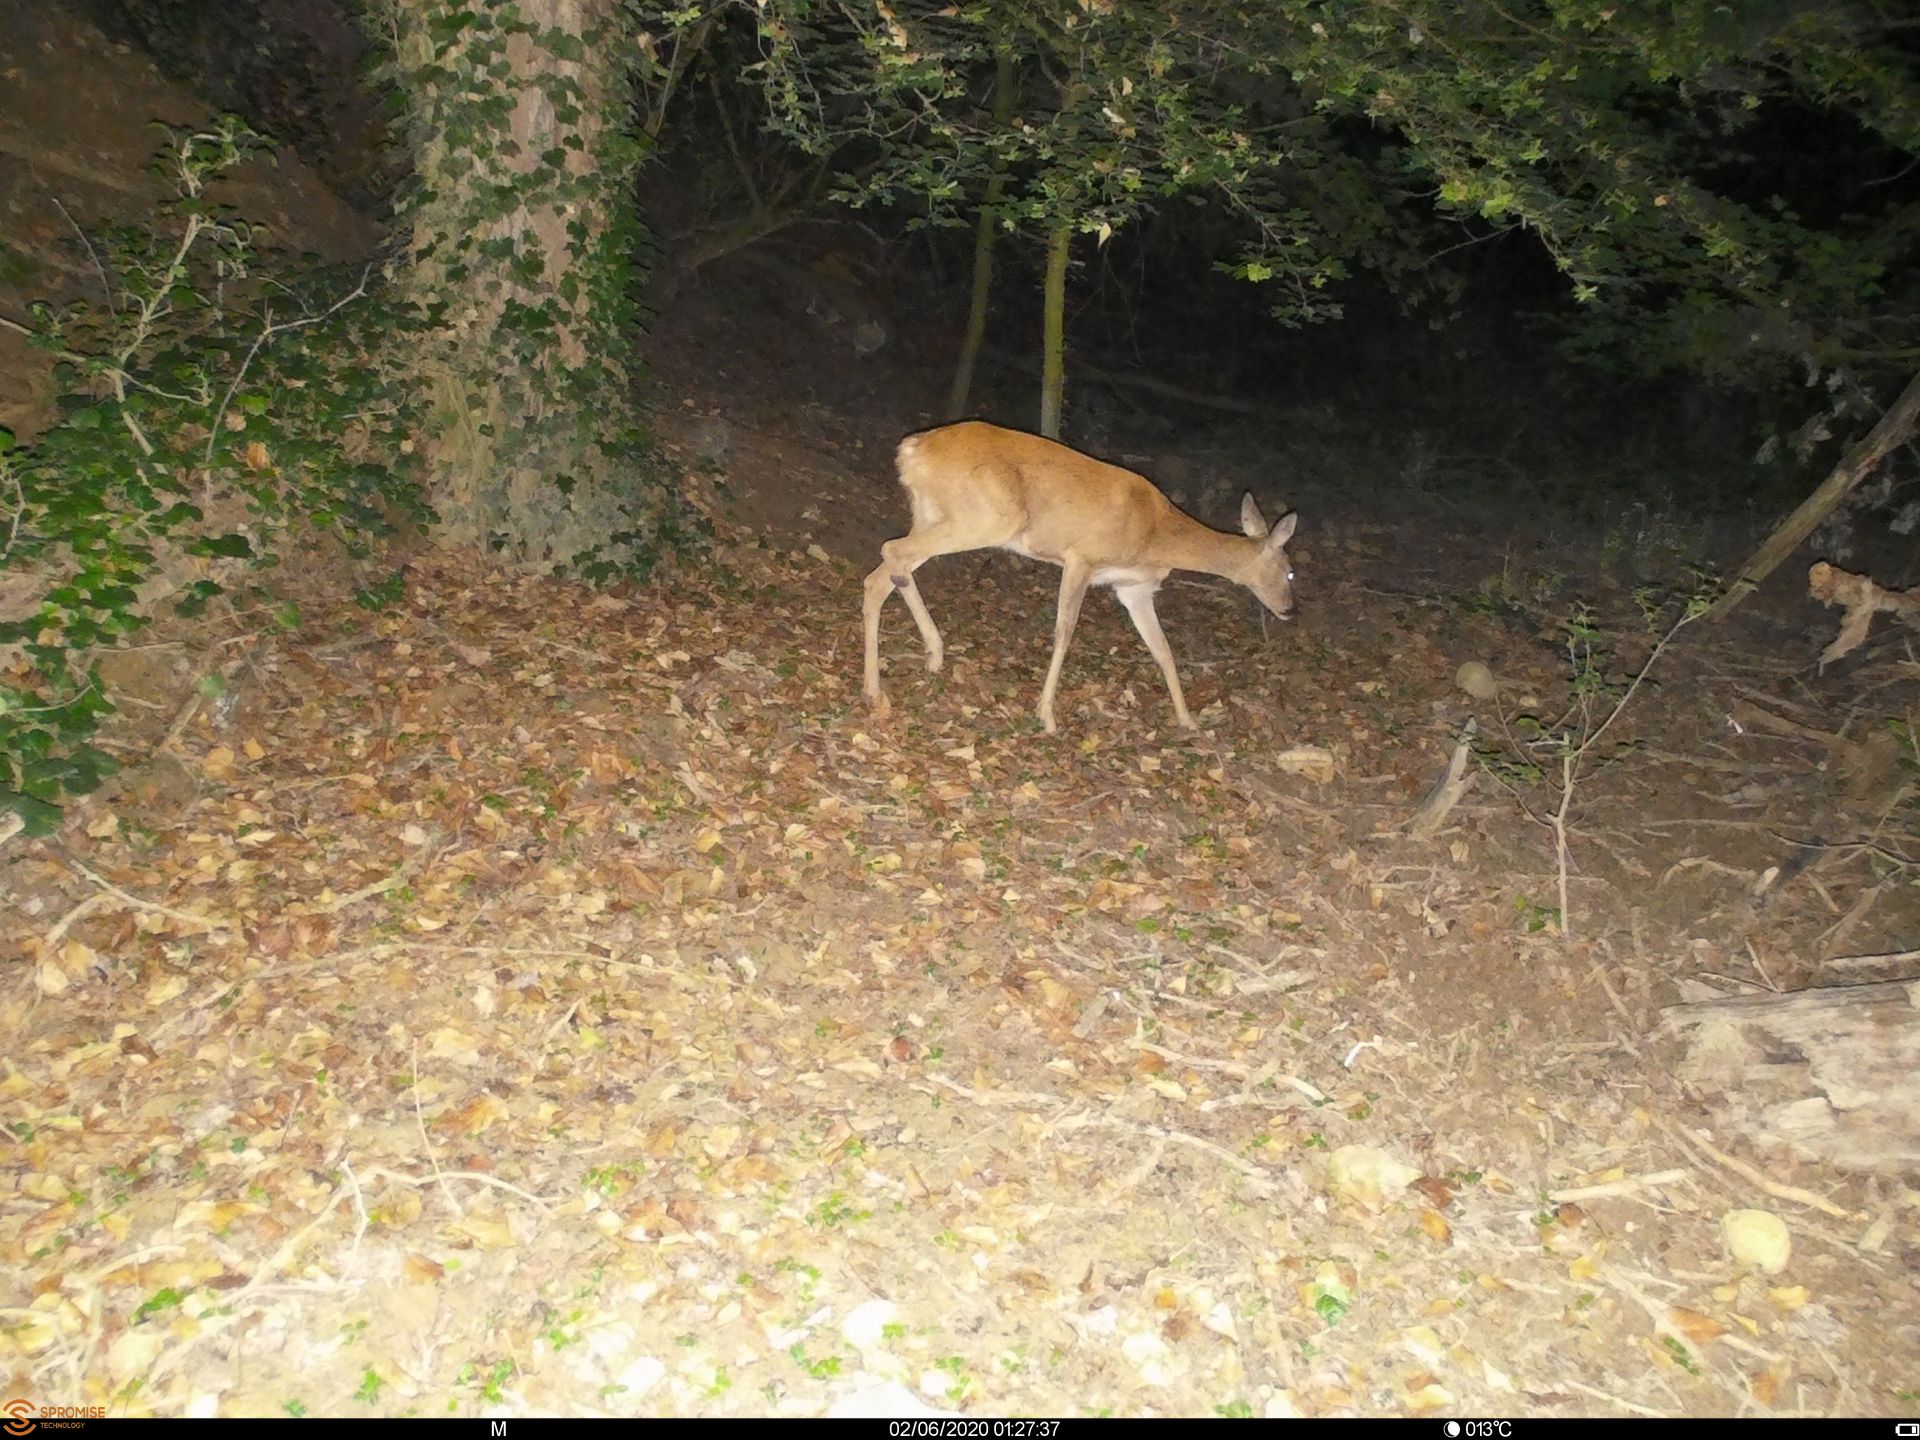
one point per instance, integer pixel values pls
(1907, 1427)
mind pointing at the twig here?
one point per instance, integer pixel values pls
(188, 708)
(1613, 999)
(134, 900)
(1629, 1186)
(1621, 1401)
(1573, 755)
(267, 333)
(426, 1141)
(1836, 934)
(1762, 718)
(1747, 1172)
(1232, 1067)
(333, 959)
(1449, 789)
(1252, 1078)
(475, 1176)
(1724, 824)
(73, 917)
(1892, 957)
(365, 892)
(106, 284)
(233, 1306)
(359, 1204)
(1030, 1098)
(121, 1262)
(1137, 1176)
(1263, 1180)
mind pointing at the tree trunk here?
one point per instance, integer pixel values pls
(1053, 358)
(983, 237)
(1894, 429)
(519, 238)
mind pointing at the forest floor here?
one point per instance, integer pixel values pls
(527, 1000)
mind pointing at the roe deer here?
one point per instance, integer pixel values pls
(975, 485)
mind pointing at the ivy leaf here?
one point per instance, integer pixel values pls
(233, 547)
(40, 818)
(194, 600)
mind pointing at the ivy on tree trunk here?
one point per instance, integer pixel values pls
(518, 232)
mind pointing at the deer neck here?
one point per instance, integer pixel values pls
(1185, 544)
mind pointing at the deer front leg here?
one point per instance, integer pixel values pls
(1139, 602)
(1074, 577)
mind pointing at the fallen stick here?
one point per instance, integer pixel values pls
(1450, 788)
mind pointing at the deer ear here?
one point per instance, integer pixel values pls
(1251, 520)
(1283, 531)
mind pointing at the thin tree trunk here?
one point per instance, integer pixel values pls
(988, 227)
(1895, 428)
(1053, 359)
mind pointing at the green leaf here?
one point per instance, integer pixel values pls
(233, 547)
(40, 817)
(194, 599)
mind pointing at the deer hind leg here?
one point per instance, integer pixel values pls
(990, 515)
(910, 592)
(898, 560)
(879, 585)
(1139, 602)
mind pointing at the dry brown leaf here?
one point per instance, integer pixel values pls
(647, 1220)
(1694, 1326)
(448, 1043)
(751, 1170)
(488, 1232)
(1439, 1192)
(479, 1113)
(134, 1045)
